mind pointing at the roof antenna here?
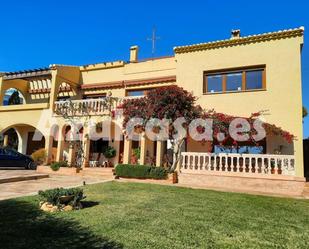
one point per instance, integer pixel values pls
(153, 39)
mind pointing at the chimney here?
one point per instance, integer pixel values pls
(235, 34)
(134, 54)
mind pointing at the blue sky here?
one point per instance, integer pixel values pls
(38, 33)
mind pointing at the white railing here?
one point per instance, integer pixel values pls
(83, 107)
(194, 162)
(88, 106)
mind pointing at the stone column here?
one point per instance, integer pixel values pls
(86, 150)
(49, 149)
(54, 88)
(5, 140)
(127, 151)
(160, 153)
(116, 145)
(143, 149)
(60, 144)
(71, 157)
(22, 140)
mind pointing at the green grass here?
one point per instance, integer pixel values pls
(130, 215)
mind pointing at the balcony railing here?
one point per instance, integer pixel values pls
(194, 162)
(88, 106)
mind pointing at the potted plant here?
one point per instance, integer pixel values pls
(174, 176)
(110, 153)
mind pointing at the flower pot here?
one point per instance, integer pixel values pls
(175, 177)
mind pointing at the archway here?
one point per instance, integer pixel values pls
(10, 139)
(13, 96)
(24, 138)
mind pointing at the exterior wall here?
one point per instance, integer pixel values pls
(131, 71)
(20, 117)
(280, 186)
(282, 97)
(196, 146)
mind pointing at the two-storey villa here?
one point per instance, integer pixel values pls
(237, 76)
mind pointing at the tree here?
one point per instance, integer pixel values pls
(173, 102)
(14, 98)
(305, 112)
(169, 102)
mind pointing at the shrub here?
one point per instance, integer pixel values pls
(158, 173)
(39, 156)
(54, 196)
(140, 171)
(110, 152)
(56, 165)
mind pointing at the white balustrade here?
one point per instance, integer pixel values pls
(89, 106)
(197, 162)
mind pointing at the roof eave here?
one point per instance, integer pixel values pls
(284, 34)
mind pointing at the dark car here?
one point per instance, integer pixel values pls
(10, 158)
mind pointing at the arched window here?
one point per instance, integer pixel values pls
(13, 97)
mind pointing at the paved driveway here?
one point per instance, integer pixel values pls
(5, 173)
(24, 188)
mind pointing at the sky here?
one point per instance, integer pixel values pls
(39, 33)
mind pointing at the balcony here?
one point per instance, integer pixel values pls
(24, 107)
(88, 107)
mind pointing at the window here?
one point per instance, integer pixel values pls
(214, 83)
(135, 93)
(254, 79)
(240, 149)
(234, 80)
(11, 153)
(95, 96)
(138, 92)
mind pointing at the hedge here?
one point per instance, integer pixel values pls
(140, 171)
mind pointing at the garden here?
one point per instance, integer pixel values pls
(138, 215)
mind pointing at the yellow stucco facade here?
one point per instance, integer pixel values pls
(278, 52)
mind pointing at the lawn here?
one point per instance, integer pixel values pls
(131, 215)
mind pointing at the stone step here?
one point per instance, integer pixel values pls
(20, 178)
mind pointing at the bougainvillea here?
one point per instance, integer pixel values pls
(222, 121)
(172, 102)
(169, 102)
